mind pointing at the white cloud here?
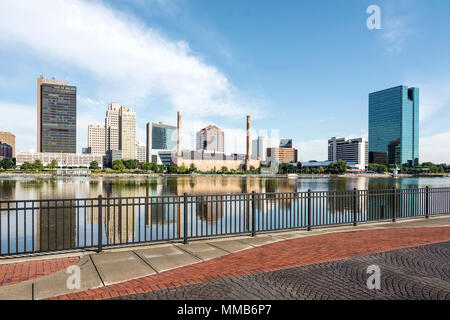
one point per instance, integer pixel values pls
(313, 150)
(435, 148)
(395, 33)
(20, 123)
(126, 60)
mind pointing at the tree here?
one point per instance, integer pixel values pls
(53, 165)
(38, 166)
(131, 164)
(224, 169)
(94, 165)
(172, 168)
(146, 166)
(342, 166)
(7, 163)
(26, 166)
(118, 165)
(192, 168)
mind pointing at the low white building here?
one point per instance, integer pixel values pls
(63, 159)
(141, 152)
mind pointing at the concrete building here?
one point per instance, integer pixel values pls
(64, 159)
(141, 152)
(112, 120)
(259, 147)
(9, 139)
(111, 156)
(127, 133)
(211, 139)
(350, 150)
(160, 138)
(56, 116)
(394, 126)
(285, 153)
(97, 138)
(206, 160)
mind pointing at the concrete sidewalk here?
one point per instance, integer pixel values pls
(119, 265)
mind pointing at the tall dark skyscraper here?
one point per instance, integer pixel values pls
(56, 116)
(394, 126)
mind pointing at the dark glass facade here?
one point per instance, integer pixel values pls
(394, 126)
(58, 118)
(163, 138)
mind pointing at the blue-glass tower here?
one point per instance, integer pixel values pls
(394, 126)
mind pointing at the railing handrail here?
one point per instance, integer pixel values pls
(313, 192)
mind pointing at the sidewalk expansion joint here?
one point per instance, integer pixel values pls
(145, 261)
(96, 270)
(229, 252)
(188, 252)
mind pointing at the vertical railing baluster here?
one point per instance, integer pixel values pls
(99, 222)
(185, 218)
(309, 210)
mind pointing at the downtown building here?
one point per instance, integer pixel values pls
(161, 142)
(210, 139)
(285, 153)
(119, 133)
(259, 147)
(394, 126)
(7, 145)
(63, 159)
(96, 139)
(354, 151)
(56, 116)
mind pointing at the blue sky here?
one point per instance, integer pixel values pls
(301, 68)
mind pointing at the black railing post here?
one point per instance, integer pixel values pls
(185, 218)
(394, 203)
(99, 222)
(355, 207)
(427, 203)
(253, 213)
(309, 210)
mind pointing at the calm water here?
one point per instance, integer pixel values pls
(72, 224)
(30, 188)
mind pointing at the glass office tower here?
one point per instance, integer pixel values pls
(394, 126)
(160, 137)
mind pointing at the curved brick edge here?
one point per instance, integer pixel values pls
(13, 273)
(276, 256)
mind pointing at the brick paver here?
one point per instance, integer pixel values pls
(419, 273)
(277, 256)
(13, 273)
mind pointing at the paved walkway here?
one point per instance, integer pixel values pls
(122, 272)
(419, 273)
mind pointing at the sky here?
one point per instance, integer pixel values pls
(302, 69)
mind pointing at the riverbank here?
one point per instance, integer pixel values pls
(134, 175)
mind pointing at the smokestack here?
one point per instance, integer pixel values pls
(247, 156)
(179, 124)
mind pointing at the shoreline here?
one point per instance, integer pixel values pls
(160, 175)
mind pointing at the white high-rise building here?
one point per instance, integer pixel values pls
(351, 150)
(112, 127)
(260, 146)
(127, 133)
(96, 138)
(141, 152)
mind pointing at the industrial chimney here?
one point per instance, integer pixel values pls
(247, 155)
(179, 124)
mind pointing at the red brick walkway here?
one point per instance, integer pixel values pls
(17, 272)
(277, 256)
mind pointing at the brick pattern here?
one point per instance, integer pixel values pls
(13, 273)
(276, 256)
(418, 273)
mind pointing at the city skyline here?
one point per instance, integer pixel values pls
(282, 93)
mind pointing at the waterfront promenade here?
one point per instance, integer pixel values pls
(153, 269)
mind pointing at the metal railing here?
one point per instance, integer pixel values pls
(35, 226)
